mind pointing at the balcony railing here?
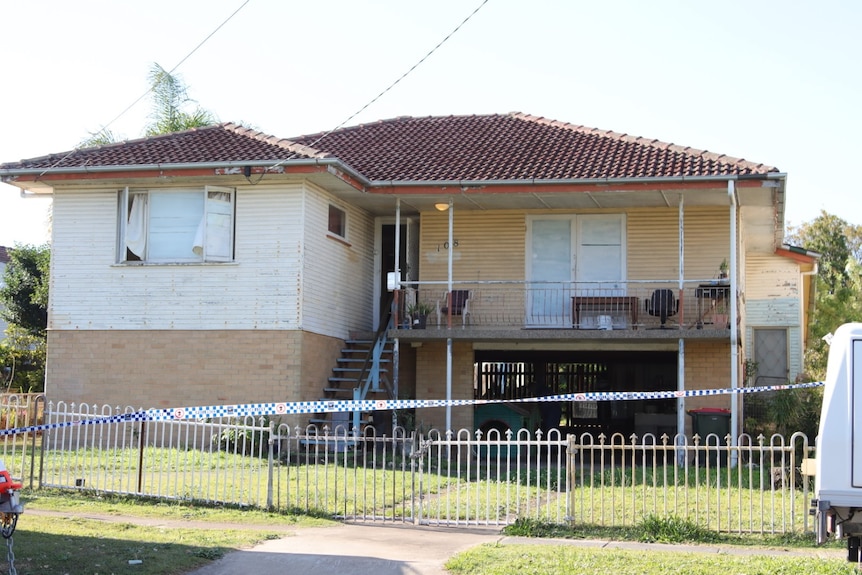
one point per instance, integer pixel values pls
(633, 305)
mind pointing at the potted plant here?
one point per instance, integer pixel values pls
(419, 314)
(720, 315)
(722, 270)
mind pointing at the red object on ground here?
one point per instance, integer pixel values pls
(6, 483)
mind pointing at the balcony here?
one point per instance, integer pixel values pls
(554, 310)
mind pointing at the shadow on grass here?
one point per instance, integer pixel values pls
(70, 545)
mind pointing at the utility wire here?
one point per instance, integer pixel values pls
(381, 94)
(322, 136)
(180, 63)
(150, 89)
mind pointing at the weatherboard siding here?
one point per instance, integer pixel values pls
(85, 291)
(653, 242)
(337, 280)
(257, 291)
(492, 245)
(771, 276)
(773, 300)
(487, 245)
(269, 269)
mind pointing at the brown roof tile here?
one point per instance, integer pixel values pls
(219, 143)
(512, 147)
(443, 148)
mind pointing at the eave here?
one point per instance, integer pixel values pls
(797, 254)
(378, 196)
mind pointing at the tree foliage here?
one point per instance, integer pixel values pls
(171, 110)
(24, 304)
(24, 294)
(101, 138)
(22, 361)
(170, 97)
(838, 296)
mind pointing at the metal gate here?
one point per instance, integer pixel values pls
(435, 479)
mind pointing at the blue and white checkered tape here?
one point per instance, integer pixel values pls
(335, 406)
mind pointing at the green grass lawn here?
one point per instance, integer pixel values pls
(352, 484)
(71, 543)
(566, 560)
(68, 544)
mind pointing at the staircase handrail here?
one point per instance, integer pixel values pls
(376, 351)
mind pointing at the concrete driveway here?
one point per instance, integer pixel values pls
(399, 549)
(374, 549)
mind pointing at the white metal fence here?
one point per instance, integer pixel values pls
(20, 452)
(454, 479)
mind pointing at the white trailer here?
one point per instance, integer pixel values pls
(837, 503)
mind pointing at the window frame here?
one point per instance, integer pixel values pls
(340, 233)
(777, 334)
(215, 210)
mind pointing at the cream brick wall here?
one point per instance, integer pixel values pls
(431, 383)
(707, 366)
(145, 369)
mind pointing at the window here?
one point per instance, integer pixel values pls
(337, 221)
(175, 226)
(770, 354)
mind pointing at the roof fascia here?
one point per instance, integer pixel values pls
(800, 255)
(335, 167)
(583, 184)
(352, 177)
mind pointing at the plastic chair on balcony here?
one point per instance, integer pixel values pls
(460, 301)
(663, 304)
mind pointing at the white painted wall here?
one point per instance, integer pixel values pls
(338, 282)
(773, 298)
(278, 231)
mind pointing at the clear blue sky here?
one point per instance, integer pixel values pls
(776, 82)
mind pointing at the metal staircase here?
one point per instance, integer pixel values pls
(362, 372)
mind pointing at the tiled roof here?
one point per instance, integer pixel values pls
(512, 147)
(445, 148)
(218, 143)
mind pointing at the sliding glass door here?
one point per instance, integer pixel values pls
(571, 255)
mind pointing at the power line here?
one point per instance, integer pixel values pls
(180, 63)
(150, 89)
(388, 88)
(322, 136)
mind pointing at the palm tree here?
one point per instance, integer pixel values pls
(100, 138)
(169, 97)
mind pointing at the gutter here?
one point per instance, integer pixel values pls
(10, 175)
(335, 163)
(801, 253)
(177, 166)
(577, 181)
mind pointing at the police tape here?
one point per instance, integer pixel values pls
(335, 406)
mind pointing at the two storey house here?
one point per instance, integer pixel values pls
(500, 256)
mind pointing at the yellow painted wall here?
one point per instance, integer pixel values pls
(492, 245)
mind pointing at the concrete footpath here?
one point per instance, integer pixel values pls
(378, 549)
